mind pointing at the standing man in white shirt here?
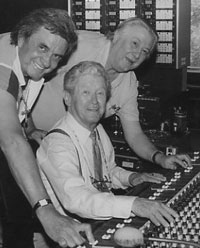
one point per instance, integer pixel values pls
(38, 45)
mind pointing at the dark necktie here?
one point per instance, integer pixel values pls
(96, 157)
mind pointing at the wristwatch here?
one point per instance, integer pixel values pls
(41, 203)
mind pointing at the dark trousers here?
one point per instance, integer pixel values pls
(17, 221)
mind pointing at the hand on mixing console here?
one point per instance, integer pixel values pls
(171, 162)
(157, 212)
(66, 231)
(138, 178)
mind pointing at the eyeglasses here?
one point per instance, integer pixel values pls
(103, 185)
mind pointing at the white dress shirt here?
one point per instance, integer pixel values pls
(66, 165)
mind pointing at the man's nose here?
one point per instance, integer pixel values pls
(137, 52)
(46, 60)
(94, 99)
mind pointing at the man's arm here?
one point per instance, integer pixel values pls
(157, 212)
(145, 149)
(23, 167)
(137, 140)
(60, 163)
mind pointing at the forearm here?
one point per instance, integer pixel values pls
(120, 177)
(23, 166)
(100, 205)
(80, 197)
(145, 149)
(137, 139)
(142, 146)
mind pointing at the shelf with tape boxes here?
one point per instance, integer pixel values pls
(170, 18)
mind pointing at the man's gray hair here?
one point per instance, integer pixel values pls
(57, 21)
(136, 21)
(85, 67)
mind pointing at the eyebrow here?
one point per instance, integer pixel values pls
(44, 45)
(47, 47)
(147, 49)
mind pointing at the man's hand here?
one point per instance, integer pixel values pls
(157, 212)
(171, 162)
(62, 229)
(137, 178)
(32, 132)
(37, 135)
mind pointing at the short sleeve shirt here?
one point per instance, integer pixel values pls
(91, 46)
(11, 76)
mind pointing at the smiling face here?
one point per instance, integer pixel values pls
(130, 47)
(40, 54)
(87, 102)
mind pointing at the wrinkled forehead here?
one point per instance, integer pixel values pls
(136, 30)
(139, 32)
(94, 77)
(90, 72)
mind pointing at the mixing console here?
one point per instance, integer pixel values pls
(181, 191)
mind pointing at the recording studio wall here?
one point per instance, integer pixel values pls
(11, 11)
(171, 20)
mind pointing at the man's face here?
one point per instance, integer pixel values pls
(88, 102)
(40, 53)
(130, 47)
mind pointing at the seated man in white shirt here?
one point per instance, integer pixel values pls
(66, 160)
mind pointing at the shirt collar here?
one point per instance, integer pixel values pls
(82, 132)
(17, 69)
(106, 53)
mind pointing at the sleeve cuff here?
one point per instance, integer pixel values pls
(122, 206)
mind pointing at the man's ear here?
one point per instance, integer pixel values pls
(67, 98)
(20, 42)
(116, 36)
